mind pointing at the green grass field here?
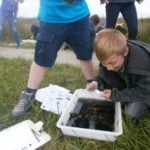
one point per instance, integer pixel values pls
(13, 78)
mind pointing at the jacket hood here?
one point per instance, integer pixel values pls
(141, 63)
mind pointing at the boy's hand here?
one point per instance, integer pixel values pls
(92, 86)
(106, 93)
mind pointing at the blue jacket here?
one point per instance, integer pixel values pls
(9, 8)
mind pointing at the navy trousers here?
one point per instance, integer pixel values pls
(129, 14)
(12, 24)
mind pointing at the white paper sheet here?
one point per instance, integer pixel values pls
(53, 98)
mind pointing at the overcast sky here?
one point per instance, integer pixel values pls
(30, 8)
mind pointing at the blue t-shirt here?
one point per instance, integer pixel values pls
(59, 11)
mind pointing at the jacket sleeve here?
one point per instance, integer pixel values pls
(108, 79)
(141, 92)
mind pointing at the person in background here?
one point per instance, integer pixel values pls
(128, 11)
(122, 29)
(124, 72)
(8, 12)
(60, 21)
(98, 24)
(94, 21)
(35, 30)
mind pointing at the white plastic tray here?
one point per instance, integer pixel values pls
(89, 133)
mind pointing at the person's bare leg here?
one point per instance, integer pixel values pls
(87, 69)
(36, 75)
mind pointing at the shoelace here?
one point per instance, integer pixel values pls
(24, 99)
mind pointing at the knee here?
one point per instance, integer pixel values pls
(133, 112)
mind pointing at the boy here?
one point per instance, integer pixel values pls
(60, 21)
(124, 71)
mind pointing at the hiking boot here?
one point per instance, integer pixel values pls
(25, 101)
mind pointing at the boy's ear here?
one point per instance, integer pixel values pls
(126, 51)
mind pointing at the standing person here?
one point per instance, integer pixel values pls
(8, 11)
(60, 21)
(124, 71)
(128, 11)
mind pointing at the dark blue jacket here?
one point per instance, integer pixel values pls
(9, 8)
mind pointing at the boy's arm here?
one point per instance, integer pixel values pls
(139, 93)
(106, 80)
(96, 82)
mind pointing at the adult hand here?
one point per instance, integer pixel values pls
(92, 86)
(106, 93)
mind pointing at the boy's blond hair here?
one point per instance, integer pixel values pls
(108, 42)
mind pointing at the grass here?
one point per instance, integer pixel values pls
(144, 32)
(13, 78)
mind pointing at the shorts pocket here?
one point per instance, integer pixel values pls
(46, 37)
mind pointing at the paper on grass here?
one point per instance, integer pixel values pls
(53, 98)
(23, 136)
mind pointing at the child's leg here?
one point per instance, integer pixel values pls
(36, 75)
(48, 42)
(136, 110)
(81, 40)
(87, 69)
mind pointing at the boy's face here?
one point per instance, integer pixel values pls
(115, 61)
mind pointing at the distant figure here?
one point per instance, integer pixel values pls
(101, 25)
(94, 21)
(122, 29)
(97, 24)
(8, 11)
(128, 11)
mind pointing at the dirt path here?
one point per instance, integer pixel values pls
(64, 56)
